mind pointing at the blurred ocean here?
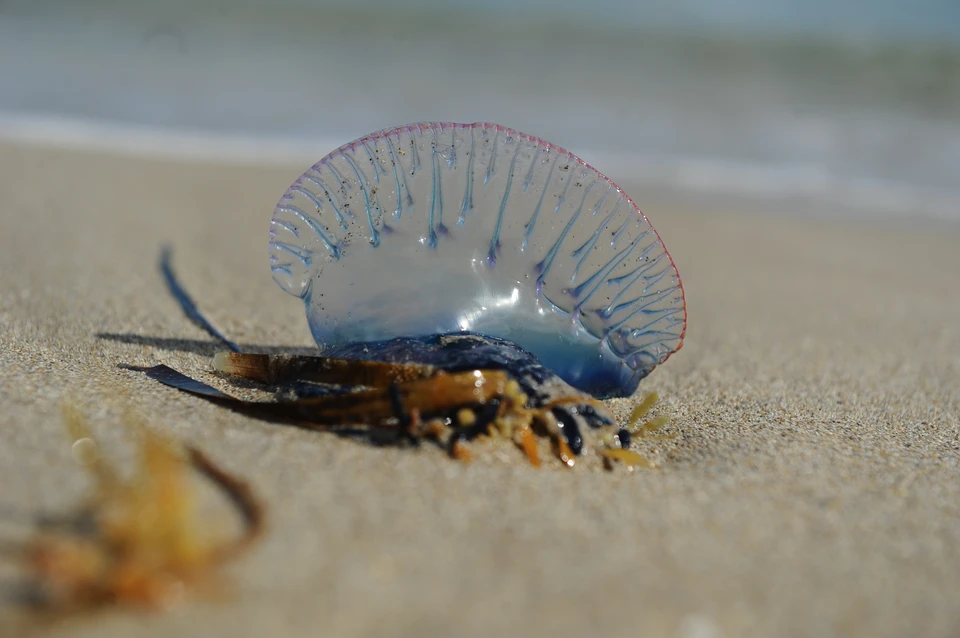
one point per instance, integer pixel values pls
(827, 105)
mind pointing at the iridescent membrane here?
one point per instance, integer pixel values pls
(438, 228)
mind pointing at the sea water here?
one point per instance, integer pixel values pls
(828, 105)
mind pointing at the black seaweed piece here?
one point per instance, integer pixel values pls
(624, 437)
(484, 417)
(570, 429)
(169, 376)
(593, 418)
(403, 417)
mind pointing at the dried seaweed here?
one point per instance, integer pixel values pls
(138, 541)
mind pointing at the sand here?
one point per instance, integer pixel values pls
(811, 488)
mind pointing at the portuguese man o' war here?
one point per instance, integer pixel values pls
(463, 281)
(441, 229)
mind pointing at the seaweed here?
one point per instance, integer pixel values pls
(141, 540)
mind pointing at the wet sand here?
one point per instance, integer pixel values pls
(811, 488)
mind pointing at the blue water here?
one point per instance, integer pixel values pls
(838, 103)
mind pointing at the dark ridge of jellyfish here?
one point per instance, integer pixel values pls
(438, 228)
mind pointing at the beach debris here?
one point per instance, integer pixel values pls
(461, 280)
(139, 541)
(408, 403)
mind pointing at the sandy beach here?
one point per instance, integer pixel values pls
(811, 487)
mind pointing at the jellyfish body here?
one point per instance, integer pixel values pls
(442, 228)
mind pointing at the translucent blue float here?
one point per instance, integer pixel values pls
(441, 228)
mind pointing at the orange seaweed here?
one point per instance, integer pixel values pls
(140, 541)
